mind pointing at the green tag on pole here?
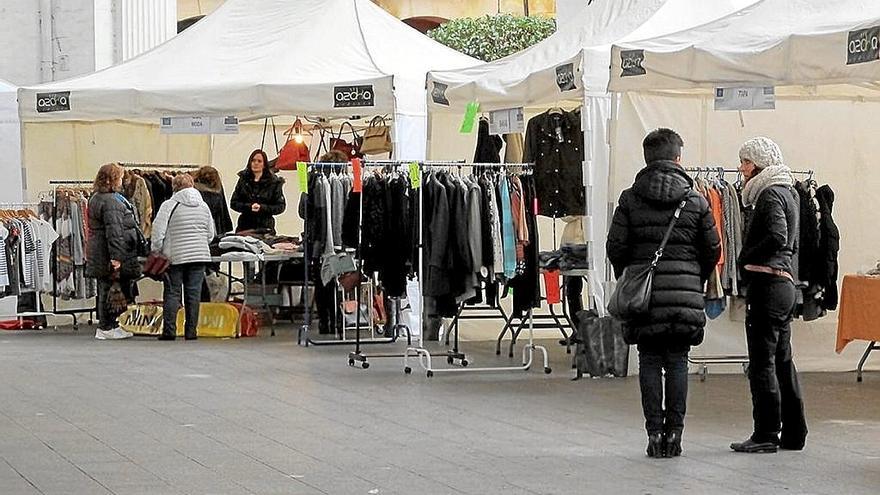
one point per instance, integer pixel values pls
(414, 178)
(470, 116)
(302, 170)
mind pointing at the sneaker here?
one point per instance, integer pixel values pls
(101, 334)
(118, 334)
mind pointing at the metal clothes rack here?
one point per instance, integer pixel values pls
(423, 354)
(172, 166)
(705, 361)
(75, 311)
(38, 309)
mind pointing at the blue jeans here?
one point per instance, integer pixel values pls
(652, 362)
(189, 276)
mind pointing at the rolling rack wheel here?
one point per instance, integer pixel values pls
(351, 362)
(547, 370)
(429, 374)
(464, 363)
(704, 372)
(407, 370)
(365, 365)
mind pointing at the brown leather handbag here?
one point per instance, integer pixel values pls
(377, 138)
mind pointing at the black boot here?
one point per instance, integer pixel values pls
(752, 447)
(655, 445)
(672, 444)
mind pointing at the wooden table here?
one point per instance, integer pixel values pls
(859, 317)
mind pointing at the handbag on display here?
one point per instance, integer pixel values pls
(273, 163)
(294, 150)
(351, 149)
(377, 138)
(632, 296)
(157, 263)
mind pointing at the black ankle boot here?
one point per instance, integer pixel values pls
(655, 445)
(672, 444)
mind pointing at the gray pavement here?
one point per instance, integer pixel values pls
(264, 416)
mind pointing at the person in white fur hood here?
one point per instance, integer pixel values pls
(768, 261)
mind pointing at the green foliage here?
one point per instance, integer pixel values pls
(492, 37)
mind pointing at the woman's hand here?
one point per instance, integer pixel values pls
(255, 207)
(115, 264)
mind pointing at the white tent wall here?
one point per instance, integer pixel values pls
(836, 139)
(11, 187)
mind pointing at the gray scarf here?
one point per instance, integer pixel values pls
(776, 175)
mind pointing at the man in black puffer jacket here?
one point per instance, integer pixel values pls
(676, 317)
(769, 271)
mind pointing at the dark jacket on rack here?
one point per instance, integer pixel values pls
(555, 144)
(208, 183)
(488, 146)
(268, 193)
(676, 318)
(113, 235)
(810, 259)
(829, 246)
(771, 238)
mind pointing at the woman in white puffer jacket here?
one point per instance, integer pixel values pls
(182, 231)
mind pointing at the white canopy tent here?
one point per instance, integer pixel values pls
(11, 186)
(257, 58)
(823, 59)
(578, 53)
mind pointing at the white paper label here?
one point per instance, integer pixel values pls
(199, 125)
(763, 98)
(506, 121)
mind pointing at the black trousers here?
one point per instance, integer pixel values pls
(777, 404)
(652, 363)
(574, 293)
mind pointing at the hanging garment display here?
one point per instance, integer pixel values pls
(554, 142)
(488, 145)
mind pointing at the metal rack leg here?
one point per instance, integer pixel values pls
(872, 346)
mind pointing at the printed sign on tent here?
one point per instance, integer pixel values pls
(745, 98)
(438, 94)
(506, 121)
(631, 62)
(565, 77)
(199, 125)
(863, 46)
(354, 96)
(53, 102)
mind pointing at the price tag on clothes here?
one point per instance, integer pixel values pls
(302, 171)
(763, 98)
(470, 116)
(415, 179)
(358, 183)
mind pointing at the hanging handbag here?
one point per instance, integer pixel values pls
(632, 296)
(273, 163)
(352, 149)
(377, 138)
(157, 263)
(294, 150)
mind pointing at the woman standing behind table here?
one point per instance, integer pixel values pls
(112, 248)
(258, 196)
(182, 231)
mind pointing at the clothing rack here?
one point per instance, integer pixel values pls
(38, 309)
(422, 353)
(723, 170)
(171, 166)
(59, 184)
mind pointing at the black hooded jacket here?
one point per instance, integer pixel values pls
(829, 247)
(211, 189)
(640, 221)
(268, 193)
(772, 235)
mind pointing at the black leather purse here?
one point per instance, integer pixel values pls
(632, 296)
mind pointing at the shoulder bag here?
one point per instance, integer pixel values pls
(377, 138)
(632, 296)
(157, 263)
(352, 149)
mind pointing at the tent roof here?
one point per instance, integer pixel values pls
(529, 77)
(253, 58)
(774, 42)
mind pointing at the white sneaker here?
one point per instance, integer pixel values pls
(101, 334)
(118, 334)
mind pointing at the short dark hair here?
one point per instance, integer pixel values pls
(662, 144)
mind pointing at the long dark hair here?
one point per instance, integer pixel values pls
(247, 166)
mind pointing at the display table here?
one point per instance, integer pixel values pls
(859, 317)
(249, 261)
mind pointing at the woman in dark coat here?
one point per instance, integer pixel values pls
(258, 196)
(207, 182)
(676, 318)
(114, 242)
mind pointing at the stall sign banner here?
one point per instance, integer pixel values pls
(863, 46)
(763, 98)
(415, 179)
(470, 116)
(439, 94)
(354, 96)
(302, 173)
(631, 63)
(506, 121)
(565, 77)
(53, 102)
(199, 125)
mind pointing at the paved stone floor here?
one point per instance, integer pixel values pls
(264, 416)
